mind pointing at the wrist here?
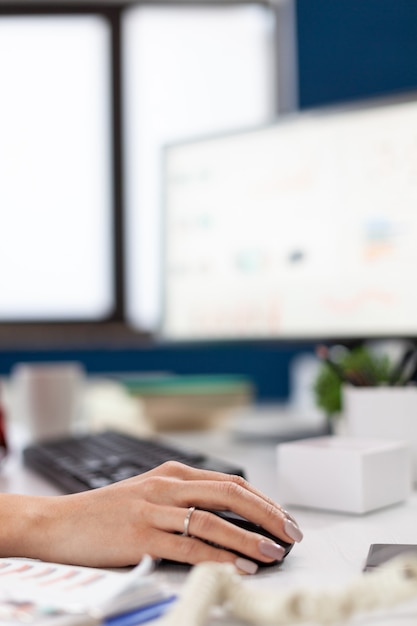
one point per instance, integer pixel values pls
(26, 524)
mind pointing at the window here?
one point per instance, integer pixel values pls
(56, 187)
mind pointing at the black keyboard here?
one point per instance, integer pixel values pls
(95, 460)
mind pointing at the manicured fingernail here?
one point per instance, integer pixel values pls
(289, 516)
(249, 567)
(273, 550)
(292, 530)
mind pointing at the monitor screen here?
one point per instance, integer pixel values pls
(56, 178)
(304, 229)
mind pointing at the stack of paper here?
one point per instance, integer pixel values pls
(53, 594)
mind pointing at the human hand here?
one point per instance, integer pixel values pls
(116, 525)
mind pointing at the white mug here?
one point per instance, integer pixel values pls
(47, 398)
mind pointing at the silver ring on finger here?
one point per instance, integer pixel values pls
(187, 521)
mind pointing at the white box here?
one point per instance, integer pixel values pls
(344, 474)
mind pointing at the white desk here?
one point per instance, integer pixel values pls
(334, 547)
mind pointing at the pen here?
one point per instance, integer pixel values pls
(141, 615)
(412, 373)
(398, 373)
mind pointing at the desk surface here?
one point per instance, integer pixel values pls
(334, 547)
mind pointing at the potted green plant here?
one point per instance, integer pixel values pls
(358, 367)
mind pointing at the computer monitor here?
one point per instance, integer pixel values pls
(303, 229)
(56, 166)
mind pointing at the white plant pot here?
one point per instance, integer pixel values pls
(388, 413)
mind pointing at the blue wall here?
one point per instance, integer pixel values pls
(265, 364)
(350, 49)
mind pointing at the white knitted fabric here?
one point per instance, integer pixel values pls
(217, 584)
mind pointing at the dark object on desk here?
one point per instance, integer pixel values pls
(96, 460)
(233, 518)
(3, 440)
(380, 553)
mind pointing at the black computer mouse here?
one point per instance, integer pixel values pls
(233, 518)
